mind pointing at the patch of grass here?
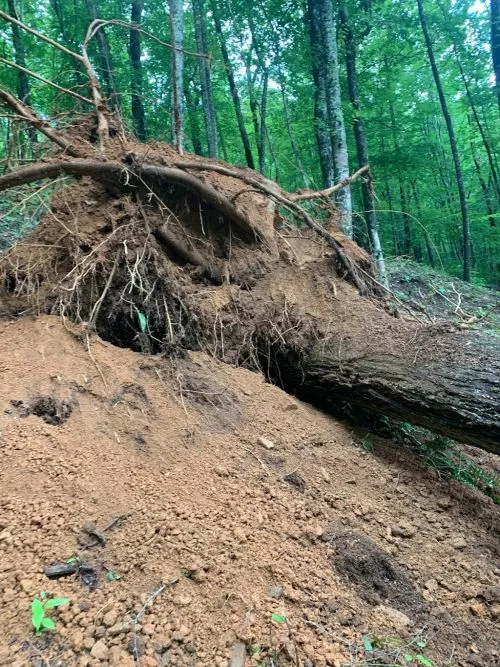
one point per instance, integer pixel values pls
(39, 620)
(442, 455)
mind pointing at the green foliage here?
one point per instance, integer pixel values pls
(379, 650)
(39, 620)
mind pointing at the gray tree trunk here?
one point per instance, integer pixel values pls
(335, 113)
(495, 44)
(138, 115)
(199, 11)
(361, 143)
(177, 38)
(105, 58)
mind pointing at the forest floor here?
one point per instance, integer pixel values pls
(238, 507)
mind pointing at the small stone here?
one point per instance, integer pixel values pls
(431, 585)
(117, 629)
(26, 585)
(109, 619)
(495, 611)
(345, 617)
(477, 609)
(100, 650)
(492, 594)
(265, 442)
(77, 639)
(275, 592)
(403, 530)
(88, 643)
(393, 616)
(182, 600)
(458, 542)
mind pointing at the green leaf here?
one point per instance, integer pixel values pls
(43, 595)
(278, 619)
(48, 624)
(73, 559)
(422, 644)
(408, 657)
(56, 602)
(110, 576)
(367, 644)
(423, 661)
(143, 322)
(37, 614)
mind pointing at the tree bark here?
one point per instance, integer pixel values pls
(177, 38)
(455, 399)
(335, 113)
(453, 145)
(320, 107)
(105, 57)
(232, 86)
(361, 143)
(495, 45)
(138, 115)
(207, 97)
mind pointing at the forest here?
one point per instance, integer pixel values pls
(305, 93)
(249, 325)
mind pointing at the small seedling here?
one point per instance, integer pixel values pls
(39, 620)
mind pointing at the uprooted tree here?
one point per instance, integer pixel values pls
(166, 253)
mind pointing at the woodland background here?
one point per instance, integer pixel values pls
(276, 85)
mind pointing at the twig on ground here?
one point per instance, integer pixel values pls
(259, 460)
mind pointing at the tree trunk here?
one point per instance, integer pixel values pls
(320, 108)
(138, 115)
(232, 86)
(480, 128)
(453, 145)
(361, 143)
(192, 101)
(263, 126)
(105, 58)
(455, 399)
(205, 78)
(335, 113)
(495, 45)
(177, 39)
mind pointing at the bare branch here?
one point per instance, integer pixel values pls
(44, 80)
(27, 114)
(44, 38)
(334, 188)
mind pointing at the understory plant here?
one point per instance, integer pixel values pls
(39, 607)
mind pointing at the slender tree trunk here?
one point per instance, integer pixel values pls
(263, 126)
(192, 101)
(402, 197)
(207, 97)
(232, 85)
(453, 145)
(254, 105)
(480, 128)
(320, 108)
(428, 242)
(23, 84)
(361, 142)
(105, 58)
(495, 45)
(177, 38)
(138, 115)
(335, 113)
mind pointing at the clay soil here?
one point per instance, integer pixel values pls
(208, 515)
(226, 528)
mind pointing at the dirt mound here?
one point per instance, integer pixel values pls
(167, 488)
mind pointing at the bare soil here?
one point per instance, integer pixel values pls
(223, 528)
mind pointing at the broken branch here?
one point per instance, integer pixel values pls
(334, 188)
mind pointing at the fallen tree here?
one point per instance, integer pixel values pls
(165, 254)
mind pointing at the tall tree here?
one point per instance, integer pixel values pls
(495, 44)
(335, 113)
(232, 85)
(361, 140)
(453, 145)
(138, 114)
(177, 37)
(199, 13)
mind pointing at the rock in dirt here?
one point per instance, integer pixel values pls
(265, 442)
(391, 616)
(100, 650)
(403, 530)
(458, 542)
